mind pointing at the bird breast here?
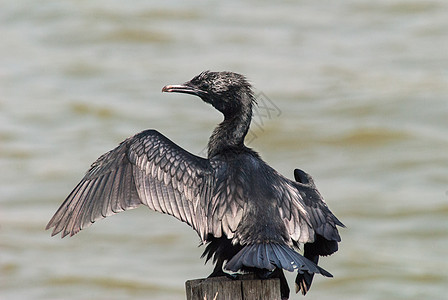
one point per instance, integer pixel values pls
(244, 200)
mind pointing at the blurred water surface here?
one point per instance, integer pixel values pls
(355, 93)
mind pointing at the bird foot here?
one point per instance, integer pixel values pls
(221, 273)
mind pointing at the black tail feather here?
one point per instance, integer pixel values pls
(271, 255)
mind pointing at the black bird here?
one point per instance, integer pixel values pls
(251, 218)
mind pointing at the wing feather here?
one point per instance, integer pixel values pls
(151, 170)
(306, 213)
(145, 169)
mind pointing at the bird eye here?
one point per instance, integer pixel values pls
(205, 86)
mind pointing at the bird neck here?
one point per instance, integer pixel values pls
(230, 133)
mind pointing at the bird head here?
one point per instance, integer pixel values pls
(228, 92)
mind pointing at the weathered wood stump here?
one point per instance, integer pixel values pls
(246, 287)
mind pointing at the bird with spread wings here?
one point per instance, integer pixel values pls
(251, 218)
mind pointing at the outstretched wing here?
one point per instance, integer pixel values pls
(144, 169)
(304, 211)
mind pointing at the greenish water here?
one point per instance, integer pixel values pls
(357, 95)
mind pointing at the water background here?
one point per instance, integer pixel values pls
(353, 92)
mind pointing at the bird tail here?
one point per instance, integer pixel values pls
(269, 256)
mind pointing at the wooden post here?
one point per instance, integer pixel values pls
(246, 287)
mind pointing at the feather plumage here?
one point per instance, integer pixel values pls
(251, 217)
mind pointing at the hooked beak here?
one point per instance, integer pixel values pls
(181, 88)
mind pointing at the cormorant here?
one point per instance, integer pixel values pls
(251, 218)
